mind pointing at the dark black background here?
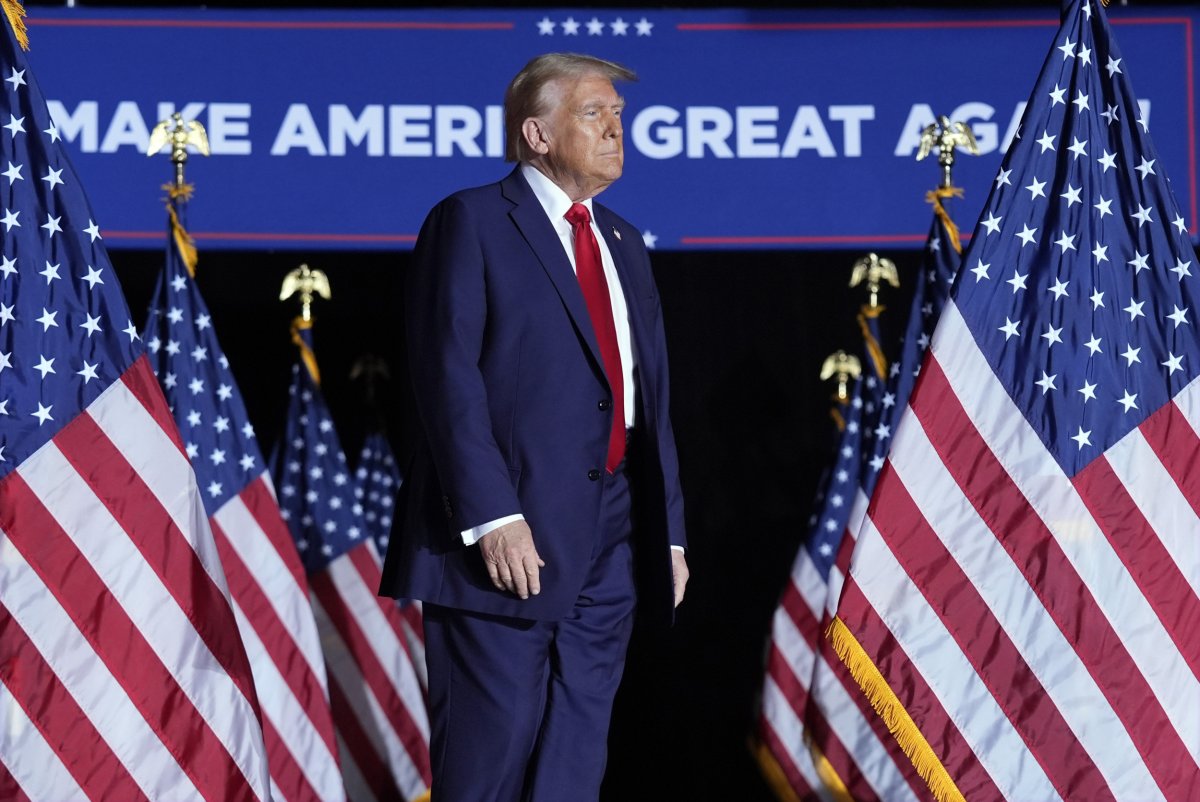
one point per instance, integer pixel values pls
(747, 332)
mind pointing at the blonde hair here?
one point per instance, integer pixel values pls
(526, 94)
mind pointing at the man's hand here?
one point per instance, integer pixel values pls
(679, 574)
(512, 560)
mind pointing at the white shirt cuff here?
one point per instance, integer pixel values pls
(471, 536)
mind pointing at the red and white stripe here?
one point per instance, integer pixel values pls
(271, 601)
(379, 707)
(411, 614)
(121, 672)
(1040, 629)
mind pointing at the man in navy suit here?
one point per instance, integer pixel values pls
(543, 502)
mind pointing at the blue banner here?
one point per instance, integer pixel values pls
(748, 129)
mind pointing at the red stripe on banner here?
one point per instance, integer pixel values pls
(285, 771)
(983, 641)
(140, 380)
(277, 640)
(1052, 577)
(63, 725)
(165, 548)
(1149, 563)
(364, 561)
(265, 510)
(10, 789)
(118, 642)
(919, 700)
(783, 760)
(1177, 447)
(371, 765)
(377, 677)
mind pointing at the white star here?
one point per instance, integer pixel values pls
(48, 319)
(1103, 206)
(13, 173)
(221, 424)
(883, 432)
(545, 27)
(1087, 10)
(1046, 382)
(1067, 48)
(1051, 335)
(1173, 364)
(1088, 391)
(1002, 177)
(1129, 401)
(92, 325)
(1093, 345)
(1035, 189)
(51, 225)
(88, 373)
(43, 413)
(1078, 148)
(1100, 252)
(1059, 288)
(174, 314)
(92, 277)
(1135, 309)
(1082, 438)
(1056, 96)
(1138, 262)
(1179, 315)
(224, 392)
(248, 431)
(52, 132)
(178, 283)
(45, 367)
(1131, 355)
(193, 418)
(980, 270)
(1109, 113)
(1067, 243)
(131, 331)
(173, 347)
(193, 451)
(595, 27)
(1047, 141)
(1027, 235)
(170, 381)
(1080, 101)
(15, 125)
(6, 314)
(649, 239)
(196, 385)
(51, 272)
(16, 78)
(1097, 299)
(1181, 268)
(214, 489)
(619, 26)
(570, 27)
(5, 360)
(1142, 215)
(217, 457)
(53, 177)
(1071, 195)
(1179, 224)
(92, 230)
(199, 353)
(325, 425)
(643, 26)
(1085, 55)
(247, 462)
(1017, 281)
(1145, 125)
(1146, 168)
(992, 222)
(1010, 329)
(1108, 160)
(10, 219)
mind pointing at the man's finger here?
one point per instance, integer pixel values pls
(494, 573)
(532, 564)
(520, 581)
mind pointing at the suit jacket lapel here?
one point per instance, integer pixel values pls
(530, 218)
(630, 286)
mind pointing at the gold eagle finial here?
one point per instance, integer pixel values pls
(844, 367)
(306, 281)
(874, 269)
(947, 136)
(178, 133)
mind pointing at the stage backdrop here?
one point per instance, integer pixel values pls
(338, 129)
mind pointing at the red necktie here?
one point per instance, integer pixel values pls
(590, 272)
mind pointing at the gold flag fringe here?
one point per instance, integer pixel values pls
(935, 197)
(828, 774)
(184, 242)
(838, 420)
(773, 773)
(306, 353)
(423, 797)
(892, 711)
(873, 347)
(16, 18)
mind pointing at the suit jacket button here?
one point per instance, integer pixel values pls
(447, 507)
(594, 474)
(605, 405)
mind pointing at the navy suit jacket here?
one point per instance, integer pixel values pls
(511, 396)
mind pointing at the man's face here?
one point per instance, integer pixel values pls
(585, 135)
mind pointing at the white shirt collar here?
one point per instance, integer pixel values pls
(554, 201)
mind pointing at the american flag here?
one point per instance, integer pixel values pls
(1022, 600)
(376, 480)
(379, 709)
(266, 579)
(122, 675)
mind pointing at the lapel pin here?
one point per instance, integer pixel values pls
(616, 233)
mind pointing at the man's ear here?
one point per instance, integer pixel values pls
(536, 135)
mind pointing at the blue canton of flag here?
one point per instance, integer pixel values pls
(931, 289)
(1079, 282)
(842, 484)
(65, 330)
(196, 379)
(376, 481)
